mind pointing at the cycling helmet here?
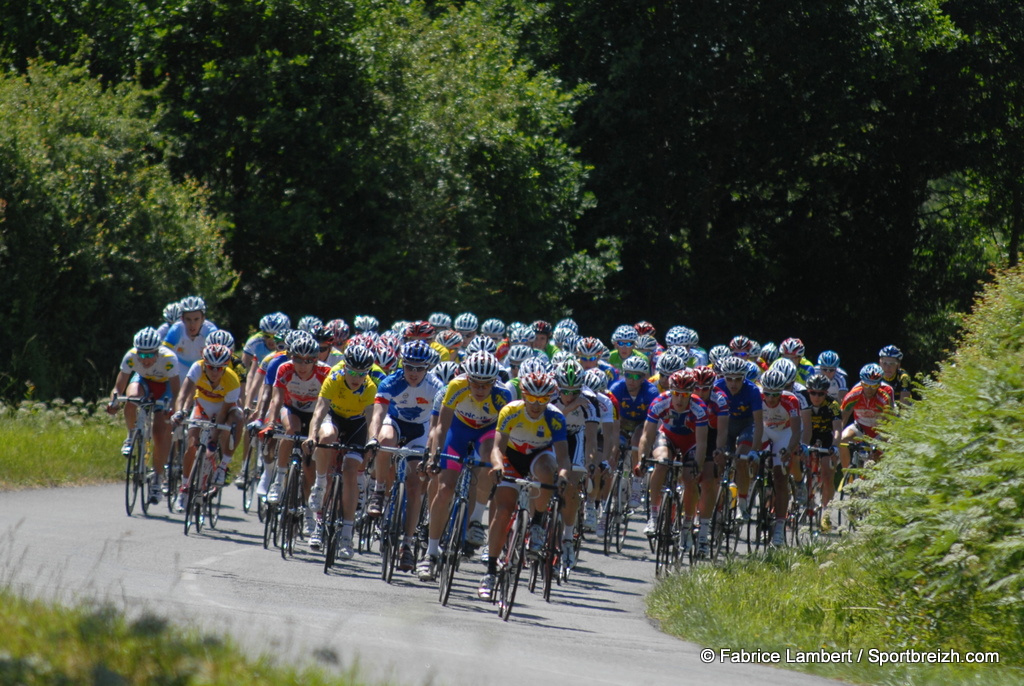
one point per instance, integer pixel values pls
(644, 328)
(818, 382)
(773, 380)
(420, 329)
(792, 346)
(679, 351)
(753, 371)
(217, 355)
(740, 344)
(450, 338)
(624, 333)
(221, 337)
(339, 329)
(523, 335)
(536, 364)
(270, 323)
(705, 376)
(732, 366)
(829, 358)
(690, 337)
(891, 351)
(482, 344)
(769, 352)
(398, 326)
(434, 359)
(719, 352)
(172, 312)
(305, 346)
(541, 384)
(386, 357)
(871, 374)
(675, 336)
(147, 339)
(358, 358)
(542, 327)
(518, 354)
(493, 327)
(440, 320)
(634, 364)
(787, 368)
(596, 380)
(589, 347)
(561, 356)
(321, 333)
(683, 380)
(446, 371)
(416, 352)
(308, 322)
(668, 364)
(755, 348)
(564, 339)
(568, 324)
(482, 367)
(466, 321)
(192, 303)
(646, 343)
(569, 375)
(290, 336)
(364, 323)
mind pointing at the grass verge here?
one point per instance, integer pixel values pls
(58, 444)
(41, 646)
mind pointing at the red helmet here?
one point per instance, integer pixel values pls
(420, 329)
(684, 380)
(705, 376)
(644, 327)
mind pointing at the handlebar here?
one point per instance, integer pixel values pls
(206, 424)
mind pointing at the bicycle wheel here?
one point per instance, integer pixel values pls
(131, 467)
(392, 531)
(173, 480)
(612, 516)
(552, 550)
(452, 548)
(269, 527)
(793, 515)
(291, 513)
(665, 539)
(213, 505)
(722, 523)
(200, 485)
(765, 523)
(511, 566)
(250, 471)
(332, 521)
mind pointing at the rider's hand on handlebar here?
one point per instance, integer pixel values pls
(177, 418)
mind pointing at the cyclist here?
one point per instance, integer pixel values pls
(187, 337)
(342, 411)
(668, 363)
(149, 370)
(793, 349)
(826, 424)
(542, 331)
(889, 359)
(781, 415)
(745, 424)
(401, 413)
(677, 419)
(865, 404)
(469, 414)
(580, 409)
(717, 444)
(215, 389)
(448, 343)
(530, 443)
(608, 443)
(440, 321)
(263, 342)
(466, 324)
(828, 366)
(495, 330)
(623, 338)
(634, 394)
(171, 314)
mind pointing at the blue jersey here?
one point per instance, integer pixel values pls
(405, 402)
(188, 350)
(670, 420)
(272, 368)
(257, 347)
(633, 410)
(743, 404)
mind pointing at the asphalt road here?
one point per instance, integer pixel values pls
(77, 544)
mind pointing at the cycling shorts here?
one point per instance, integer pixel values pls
(520, 465)
(304, 419)
(459, 437)
(154, 390)
(577, 457)
(741, 433)
(779, 440)
(350, 430)
(685, 446)
(414, 434)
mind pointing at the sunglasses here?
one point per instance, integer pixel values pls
(589, 358)
(304, 360)
(635, 377)
(570, 392)
(146, 356)
(415, 368)
(816, 392)
(827, 369)
(324, 348)
(872, 385)
(678, 393)
(624, 344)
(537, 399)
(771, 395)
(734, 379)
(357, 372)
(706, 388)
(216, 368)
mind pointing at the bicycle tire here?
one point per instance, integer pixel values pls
(290, 512)
(511, 566)
(552, 552)
(250, 471)
(199, 505)
(131, 490)
(721, 526)
(173, 480)
(766, 518)
(611, 515)
(452, 542)
(665, 539)
(331, 519)
(269, 527)
(190, 489)
(213, 505)
(142, 482)
(392, 532)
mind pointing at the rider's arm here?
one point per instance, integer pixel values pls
(498, 451)
(562, 458)
(276, 401)
(722, 439)
(701, 442)
(444, 423)
(376, 412)
(647, 438)
(758, 429)
(806, 426)
(185, 393)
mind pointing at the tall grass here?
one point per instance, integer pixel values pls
(41, 646)
(58, 443)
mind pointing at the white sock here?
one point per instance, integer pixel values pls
(433, 547)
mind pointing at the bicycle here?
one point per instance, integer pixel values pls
(204, 497)
(860, 452)
(252, 469)
(392, 528)
(331, 514)
(174, 468)
(292, 506)
(761, 525)
(544, 567)
(725, 530)
(513, 553)
(616, 508)
(669, 531)
(453, 539)
(136, 475)
(806, 515)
